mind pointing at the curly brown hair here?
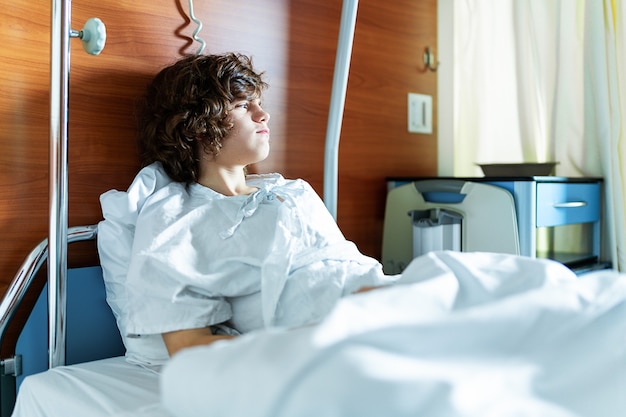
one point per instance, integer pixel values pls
(185, 110)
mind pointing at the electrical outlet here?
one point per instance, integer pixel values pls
(420, 113)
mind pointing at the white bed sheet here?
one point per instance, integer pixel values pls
(470, 335)
(108, 387)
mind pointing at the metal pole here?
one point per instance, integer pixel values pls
(337, 101)
(57, 240)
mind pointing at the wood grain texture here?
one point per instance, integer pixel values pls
(294, 42)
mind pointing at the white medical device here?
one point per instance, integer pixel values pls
(445, 214)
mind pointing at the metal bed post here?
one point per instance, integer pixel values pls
(337, 101)
(57, 240)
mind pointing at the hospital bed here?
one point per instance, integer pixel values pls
(463, 334)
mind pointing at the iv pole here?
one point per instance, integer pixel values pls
(93, 36)
(337, 101)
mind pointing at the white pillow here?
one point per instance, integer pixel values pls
(115, 239)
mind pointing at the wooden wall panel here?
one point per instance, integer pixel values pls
(294, 41)
(23, 130)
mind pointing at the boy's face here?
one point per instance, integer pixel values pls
(248, 141)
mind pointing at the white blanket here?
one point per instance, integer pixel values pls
(462, 335)
(104, 388)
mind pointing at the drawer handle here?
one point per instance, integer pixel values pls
(570, 204)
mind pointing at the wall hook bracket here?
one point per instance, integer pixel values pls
(429, 60)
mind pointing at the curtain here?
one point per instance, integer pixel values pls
(539, 81)
(605, 98)
(485, 94)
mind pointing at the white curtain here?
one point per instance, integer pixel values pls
(485, 95)
(605, 108)
(540, 81)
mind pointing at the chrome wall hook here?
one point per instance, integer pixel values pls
(429, 60)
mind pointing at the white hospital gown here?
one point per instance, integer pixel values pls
(272, 258)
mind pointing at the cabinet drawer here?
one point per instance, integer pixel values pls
(567, 203)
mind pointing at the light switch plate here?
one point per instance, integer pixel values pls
(420, 116)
